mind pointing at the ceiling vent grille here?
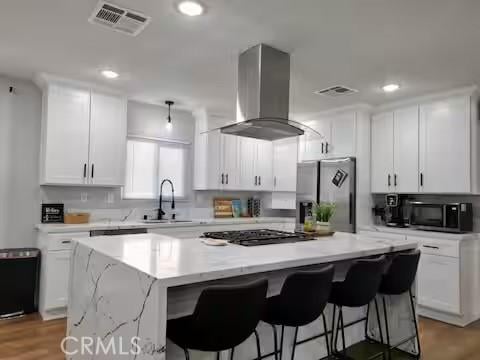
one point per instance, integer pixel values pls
(119, 19)
(336, 90)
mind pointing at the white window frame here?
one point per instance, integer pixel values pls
(188, 169)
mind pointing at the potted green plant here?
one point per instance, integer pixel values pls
(323, 212)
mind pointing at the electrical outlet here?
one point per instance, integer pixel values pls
(110, 197)
(84, 197)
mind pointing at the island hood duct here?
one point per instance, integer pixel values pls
(263, 96)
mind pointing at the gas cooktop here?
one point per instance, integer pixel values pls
(257, 237)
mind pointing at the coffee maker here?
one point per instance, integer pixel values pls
(397, 212)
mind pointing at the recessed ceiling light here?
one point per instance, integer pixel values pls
(190, 8)
(391, 88)
(109, 74)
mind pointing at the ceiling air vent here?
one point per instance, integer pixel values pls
(119, 19)
(337, 90)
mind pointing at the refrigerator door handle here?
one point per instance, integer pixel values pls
(351, 209)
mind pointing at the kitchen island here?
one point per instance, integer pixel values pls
(124, 288)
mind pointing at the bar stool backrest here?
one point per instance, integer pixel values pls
(363, 281)
(305, 294)
(401, 273)
(225, 316)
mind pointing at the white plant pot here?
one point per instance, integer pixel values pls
(323, 226)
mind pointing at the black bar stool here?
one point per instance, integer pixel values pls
(359, 288)
(302, 300)
(224, 317)
(398, 280)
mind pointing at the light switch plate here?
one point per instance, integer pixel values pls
(84, 197)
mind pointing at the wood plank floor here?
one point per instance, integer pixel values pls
(30, 338)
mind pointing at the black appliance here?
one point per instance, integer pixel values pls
(397, 211)
(257, 237)
(19, 281)
(453, 217)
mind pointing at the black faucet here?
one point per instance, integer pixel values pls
(160, 211)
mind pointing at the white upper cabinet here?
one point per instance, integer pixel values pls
(229, 160)
(343, 140)
(445, 146)
(108, 131)
(285, 164)
(382, 152)
(395, 151)
(427, 148)
(65, 136)
(405, 150)
(83, 137)
(338, 138)
(256, 164)
(263, 165)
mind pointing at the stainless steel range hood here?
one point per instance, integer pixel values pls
(263, 96)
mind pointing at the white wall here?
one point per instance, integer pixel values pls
(20, 117)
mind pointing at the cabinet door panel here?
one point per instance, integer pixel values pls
(248, 152)
(445, 146)
(438, 283)
(66, 138)
(382, 153)
(264, 165)
(343, 140)
(314, 145)
(230, 162)
(108, 137)
(406, 150)
(57, 278)
(285, 164)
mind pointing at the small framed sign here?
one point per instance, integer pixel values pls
(52, 213)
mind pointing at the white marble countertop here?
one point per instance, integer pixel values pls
(420, 233)
(112, 225)
(178, 262)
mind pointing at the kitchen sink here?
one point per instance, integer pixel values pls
(166, 221)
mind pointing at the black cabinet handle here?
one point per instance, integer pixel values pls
(326, 148)
(389, 180)
(255, 180)
(84, 170)
(421, 179)
(395, 179)
(223, 179)
(322, 147)
(431, 247)
(259, 180)
(226, 179)
(66, 242)
(93, 169)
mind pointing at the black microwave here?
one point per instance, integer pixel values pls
(454, 217)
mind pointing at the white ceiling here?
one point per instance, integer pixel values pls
(425, 45)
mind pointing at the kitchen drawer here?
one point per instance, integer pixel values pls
(63, 241)
(440, 247)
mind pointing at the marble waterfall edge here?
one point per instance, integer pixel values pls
(108, 318)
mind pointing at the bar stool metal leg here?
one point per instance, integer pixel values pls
(259, 352)
(343, 332)
(414, 314)
(325, 330)
(281, 342)
(187, 355)
(333, 346)
(387, 331)
(218, 355)
(275, 342)
(294, 342)
(231, 353)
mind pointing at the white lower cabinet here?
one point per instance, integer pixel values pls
(438, 283)
(55, 273)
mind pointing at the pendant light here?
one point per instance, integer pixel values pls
(169, 103)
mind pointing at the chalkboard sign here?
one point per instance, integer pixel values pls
(52, 213)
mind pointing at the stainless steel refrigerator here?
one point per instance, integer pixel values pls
(332, 180)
